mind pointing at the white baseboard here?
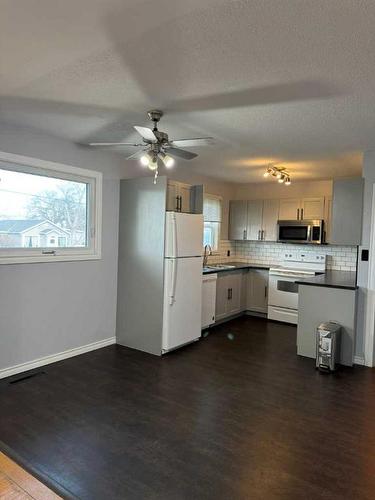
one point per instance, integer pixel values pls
(52, 358)
(359, 360)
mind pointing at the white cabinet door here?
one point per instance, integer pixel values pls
(185, 192)
(254, 219)
(234, 281)
(289, 209)
(257, 290)
(270, 218)
(172, 197)
(237, 220)
(222, 296)
(312, 208)
(208, 299)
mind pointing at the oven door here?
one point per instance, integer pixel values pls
(293, 232)
(283, 291)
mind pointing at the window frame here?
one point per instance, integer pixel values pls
(94, 180)
(219, 223)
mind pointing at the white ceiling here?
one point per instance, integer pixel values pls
(286, 81)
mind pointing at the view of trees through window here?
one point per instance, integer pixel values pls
(40, 211)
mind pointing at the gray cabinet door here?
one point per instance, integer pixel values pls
(347, 207)
(254, 219)
(312, 208)
(222, 296)
(257, 290)
(237, 220)
(270, 218)
(234, 283)
(290, 209)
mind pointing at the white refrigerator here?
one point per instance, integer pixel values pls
(182, 279)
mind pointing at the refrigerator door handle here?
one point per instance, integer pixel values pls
(174, 280)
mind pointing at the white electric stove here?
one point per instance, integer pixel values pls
(283, 290)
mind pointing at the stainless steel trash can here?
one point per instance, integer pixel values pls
(328, 346)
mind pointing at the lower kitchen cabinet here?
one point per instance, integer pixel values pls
(257, 290)
(229, 294)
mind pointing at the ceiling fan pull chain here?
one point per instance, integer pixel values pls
(156, 176)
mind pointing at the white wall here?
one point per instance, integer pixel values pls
(48, 308)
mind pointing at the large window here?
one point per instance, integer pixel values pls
(212, 220)
(48, 211)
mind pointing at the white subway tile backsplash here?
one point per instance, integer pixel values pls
(338, 258)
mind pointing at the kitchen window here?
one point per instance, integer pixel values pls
(212, 208)
(48, 211)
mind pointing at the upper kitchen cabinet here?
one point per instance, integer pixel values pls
(347, 208)
(289, 209)
(312, 208)
(302, 208)
(269, 219)
(253, 220)
(184, 197)
(237, 220)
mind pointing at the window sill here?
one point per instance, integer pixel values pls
(38, 259)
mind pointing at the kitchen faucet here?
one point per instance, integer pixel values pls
(206, 254)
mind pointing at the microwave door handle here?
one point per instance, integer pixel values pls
(309, 233)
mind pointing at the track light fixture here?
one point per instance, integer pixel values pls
(279, 173)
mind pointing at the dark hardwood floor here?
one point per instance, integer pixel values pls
(221, 419)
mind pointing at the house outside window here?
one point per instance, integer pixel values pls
(212, 210)
(48, 211)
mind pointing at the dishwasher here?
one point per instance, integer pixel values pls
(208, 299)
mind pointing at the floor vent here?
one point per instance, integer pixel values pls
(26, 377)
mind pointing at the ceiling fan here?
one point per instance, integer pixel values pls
(157, 145)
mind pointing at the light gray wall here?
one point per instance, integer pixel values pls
(51, 307)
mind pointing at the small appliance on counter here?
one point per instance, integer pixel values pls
(328, 346)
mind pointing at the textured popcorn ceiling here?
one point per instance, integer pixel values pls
(287, 81)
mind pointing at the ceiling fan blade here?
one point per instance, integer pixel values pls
(136, 155)
(194, 142)
(146, 133)
(182, 153)
(115, 144)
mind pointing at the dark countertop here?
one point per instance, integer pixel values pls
(237, 265)
(332, 279)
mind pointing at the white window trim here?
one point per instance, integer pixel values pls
(220, 199)
(94, 179)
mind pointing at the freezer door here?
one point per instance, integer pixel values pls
(182, 301)
(183, 235)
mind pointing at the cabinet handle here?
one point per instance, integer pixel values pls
(265, 291)
(297, 213)
(262, 236)
(177, 204)
(231, 293)
(228, 294)
(301, 213)
(244, 234)
(259, 233)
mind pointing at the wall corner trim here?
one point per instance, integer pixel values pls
(53, 358)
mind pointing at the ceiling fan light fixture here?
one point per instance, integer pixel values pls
(168, 161)
(288, 181)
(145, 160)
(153, 164)
(281, 179)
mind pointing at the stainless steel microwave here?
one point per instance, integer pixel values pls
(300, 231)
